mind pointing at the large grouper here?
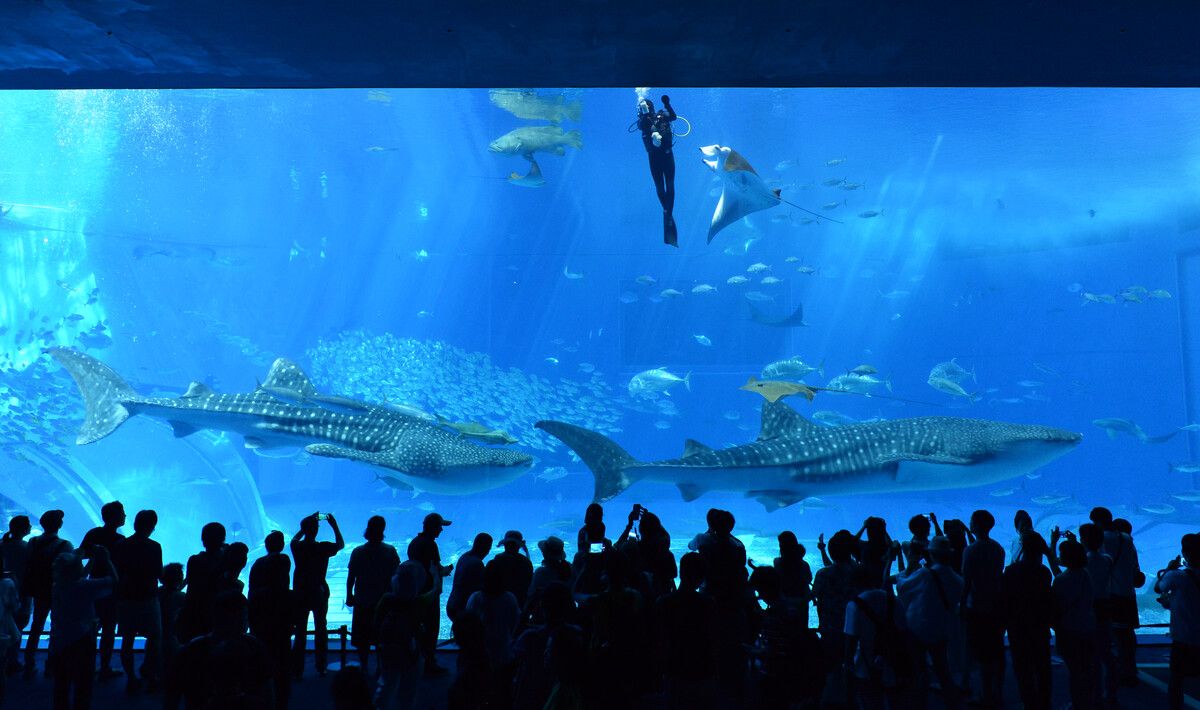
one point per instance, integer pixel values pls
(794, 459)
(416, 453)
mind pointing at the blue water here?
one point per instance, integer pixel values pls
(372, 238)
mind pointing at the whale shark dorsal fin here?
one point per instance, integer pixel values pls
(691, 447)
(197, 389)
(287, 375)
(778, 419)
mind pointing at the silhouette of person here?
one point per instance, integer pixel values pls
(368, 578)
(113, 516)
(1180, 586)
(538, 674)
(1124, 582)
(138, 561)
(795, 576)
(875, 553)
(875, 651)
(311, 589)
(10, 633)
(515, 568)
(655, 546)
(14, 552)
(1028, 605)
(554, 569)
(39, 581)
(424, 551)
(983, 569)
(1075, 622)
(930, 595)
(500, 613)
(233, 561)
(468, 575)
(592, 530)
(73, 634)
(226, 668)
(1099, 569)
(170, 603)
(397, 628)
(832, 589)
(203, 572)
(269, 607)
(688, 640)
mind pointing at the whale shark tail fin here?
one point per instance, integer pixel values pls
(607, 460)
(105, 393)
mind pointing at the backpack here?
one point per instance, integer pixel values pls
(890, 648)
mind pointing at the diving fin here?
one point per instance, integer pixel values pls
(670, 234)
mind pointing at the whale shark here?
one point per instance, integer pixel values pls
(417, 453)
(794, 459)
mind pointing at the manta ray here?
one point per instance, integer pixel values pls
(743, 192)
(418, 454)
(794, 459)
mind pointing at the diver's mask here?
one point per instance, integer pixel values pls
(656, 138)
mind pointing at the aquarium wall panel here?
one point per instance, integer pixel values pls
(396, 302)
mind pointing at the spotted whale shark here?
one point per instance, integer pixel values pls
(794, 459)
(418, 454)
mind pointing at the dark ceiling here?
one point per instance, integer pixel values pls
(268, 43)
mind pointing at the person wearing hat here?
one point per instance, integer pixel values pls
(516, 569)
(39, 579)
(554, 568)
(930, 595)
(423, 550)
(368, 577)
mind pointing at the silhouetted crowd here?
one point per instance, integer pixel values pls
(614, 624)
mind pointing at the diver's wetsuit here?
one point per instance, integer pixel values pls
(662, 163)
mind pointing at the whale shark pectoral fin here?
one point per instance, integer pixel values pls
(691, 447)
(689, 491)
(344, 452)
(182, 429)
(909, 467)
(775, 500)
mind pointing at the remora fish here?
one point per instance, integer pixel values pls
(419, 453)
(794, 459)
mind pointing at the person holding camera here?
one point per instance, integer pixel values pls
(1179, 587)
(310, 588)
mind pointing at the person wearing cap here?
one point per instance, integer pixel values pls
(311, 590)
(930, 595)
(423, 550)
(39, 579)
(515, 568)
(368, 577)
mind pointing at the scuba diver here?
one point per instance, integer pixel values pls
(658, 139)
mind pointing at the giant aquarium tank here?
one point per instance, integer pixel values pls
(441, 271)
